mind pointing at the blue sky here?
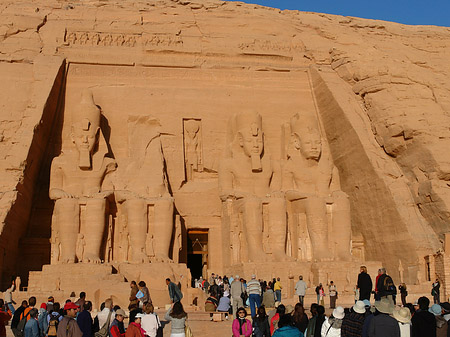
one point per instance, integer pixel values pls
(413, 12)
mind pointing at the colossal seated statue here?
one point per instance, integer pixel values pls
(79, 185)
(143, 192)
(249, 180)
(311, 183)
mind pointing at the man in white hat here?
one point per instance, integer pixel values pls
(332, 326)
(353, 322)
(403, 316)
(383, 324)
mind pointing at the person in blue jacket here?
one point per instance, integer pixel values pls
(286, 328)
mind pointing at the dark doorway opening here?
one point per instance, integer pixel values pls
(197, 252)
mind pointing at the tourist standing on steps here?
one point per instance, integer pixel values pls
(241, 326)
(174, 292)
(364, 284)
(236, 289)
(42, 319)
(300, 289)
(403, 293)
(333, 294)
(68, 327)
(145, 298)
(177, 316)
(436, 292)
(224, 305)
(277, 289)
(80, 302)
(134, 302)
(254, 295)
(8, 296)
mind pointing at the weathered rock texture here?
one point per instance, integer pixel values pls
(381, 91)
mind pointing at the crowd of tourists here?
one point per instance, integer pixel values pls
(75, 319)
(232, 296)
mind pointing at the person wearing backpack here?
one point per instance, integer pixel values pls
(53, 320)
(16, 318)
(68, 326)
(42, 319)
(25, 317)
(32, 325)
(386, 286)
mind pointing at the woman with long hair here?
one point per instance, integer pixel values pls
(177, 316)
(300, 318)
(242, 326)
(261, 327)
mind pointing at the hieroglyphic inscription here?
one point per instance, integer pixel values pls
(82, 38)
(267, 45)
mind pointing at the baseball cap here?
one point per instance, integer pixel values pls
(70, 305)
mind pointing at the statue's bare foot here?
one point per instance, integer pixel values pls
(91, 258)
(140, 258)
(163, 258)
(70, 260)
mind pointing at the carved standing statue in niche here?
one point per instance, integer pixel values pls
(79, 178)
(311, 182)
(144, 194)
(248, 179)
(192, 148)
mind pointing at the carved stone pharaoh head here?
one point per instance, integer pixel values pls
(251, 137)
(306, 136)
(86, 129)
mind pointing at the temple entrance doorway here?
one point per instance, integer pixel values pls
(197, 255)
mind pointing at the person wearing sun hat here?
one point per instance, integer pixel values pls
(382, 324)
(403, 317)
(331, 327)
(441, 323)
(352, 325)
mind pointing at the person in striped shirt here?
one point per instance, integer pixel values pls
(254, 294)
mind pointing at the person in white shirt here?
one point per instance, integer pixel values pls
(150, 322)
(300, 289)
(103, 315)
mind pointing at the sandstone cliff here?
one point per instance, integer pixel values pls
(381, 90)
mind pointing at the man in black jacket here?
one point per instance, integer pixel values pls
(385, 286)
(16, 318)
(423, 321)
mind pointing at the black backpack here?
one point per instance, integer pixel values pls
(21, 325)
(388, 285)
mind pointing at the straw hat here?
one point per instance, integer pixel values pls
(403, 315)
(385, 306)
(339, 313)
(359, 307)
